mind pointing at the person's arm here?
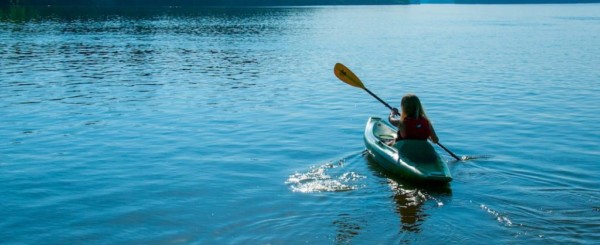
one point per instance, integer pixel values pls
(393, 119)
(432, 135)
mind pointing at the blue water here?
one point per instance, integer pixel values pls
(214, 126)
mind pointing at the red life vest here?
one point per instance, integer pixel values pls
(415, 129)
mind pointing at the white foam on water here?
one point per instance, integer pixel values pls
(328, 177)
(503, 219)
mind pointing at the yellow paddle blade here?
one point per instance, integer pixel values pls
(346, 75)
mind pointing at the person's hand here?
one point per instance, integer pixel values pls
(395, 111)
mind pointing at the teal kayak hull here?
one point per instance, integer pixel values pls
(412, 159)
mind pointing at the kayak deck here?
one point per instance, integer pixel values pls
(414, 159)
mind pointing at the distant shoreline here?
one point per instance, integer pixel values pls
(265, 3)
(202, 3)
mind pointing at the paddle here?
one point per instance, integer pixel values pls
(346, 75)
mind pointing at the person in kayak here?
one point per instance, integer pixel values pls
(412, 123)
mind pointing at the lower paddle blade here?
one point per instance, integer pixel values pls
(466, 158)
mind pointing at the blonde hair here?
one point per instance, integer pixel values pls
(411, 107)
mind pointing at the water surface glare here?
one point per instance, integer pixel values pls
(227, 126)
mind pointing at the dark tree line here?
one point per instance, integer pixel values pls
(109, 3)
(203, 3)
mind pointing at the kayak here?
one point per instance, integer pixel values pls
(412, 159)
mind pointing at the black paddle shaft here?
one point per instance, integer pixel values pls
(380, 100)
(449, 152)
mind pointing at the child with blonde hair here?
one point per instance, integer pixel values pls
(413, 123)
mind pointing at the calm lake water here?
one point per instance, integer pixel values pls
(227, 126)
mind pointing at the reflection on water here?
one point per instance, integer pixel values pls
(347, 228)
(412, 199)
(93, 51)
(410, 207)
(16, 13)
